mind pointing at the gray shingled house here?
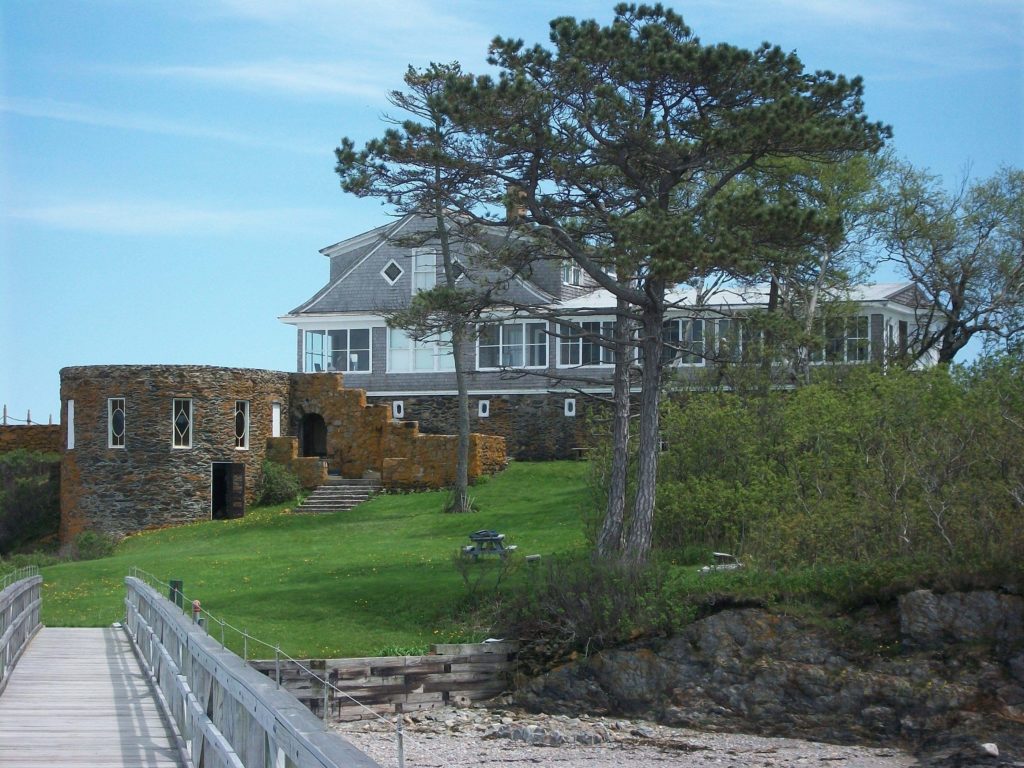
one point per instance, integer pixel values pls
(521, 366)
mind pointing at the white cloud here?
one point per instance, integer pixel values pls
(298, 78)
(86, 114)
(135, 217)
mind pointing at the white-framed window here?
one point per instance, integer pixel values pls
(483, 408)
(181, 422)
(569, 406)
(580, 344)
(346, 349)
(398, 409)
(275, 419)
(115, 422)
(391, 272)
(406, 354)
(736, 340)
(71, 425)
(513, 345)
(424, 270)
(572, 274)
(847, 340)
(242, 425)
(684, 341)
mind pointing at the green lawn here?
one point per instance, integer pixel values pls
(348, 584)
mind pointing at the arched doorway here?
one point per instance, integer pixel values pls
(314, 435)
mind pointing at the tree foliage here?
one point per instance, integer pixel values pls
(903, 465)
(634, 149)
(965, 251)
(29, 498)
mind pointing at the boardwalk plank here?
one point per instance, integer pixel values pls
(79, 698)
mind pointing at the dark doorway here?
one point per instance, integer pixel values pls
(227, 490)
(314, 435)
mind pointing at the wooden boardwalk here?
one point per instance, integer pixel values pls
(78, 697)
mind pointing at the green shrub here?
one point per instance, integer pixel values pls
(279, 484)
(29, 498)
(583, 604)
(92, 545)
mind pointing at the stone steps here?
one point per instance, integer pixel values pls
(338, 495)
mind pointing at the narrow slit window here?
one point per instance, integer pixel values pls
(181, 423)
(242, 424)
(115, 422)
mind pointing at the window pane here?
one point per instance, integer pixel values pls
(537, 345)
(359, 338)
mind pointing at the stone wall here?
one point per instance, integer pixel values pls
(534, 426)
(148, 483)
(362, 438)
(31, 437)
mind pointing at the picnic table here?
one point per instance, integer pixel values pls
(487, 543)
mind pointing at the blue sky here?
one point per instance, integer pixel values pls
(166, 168)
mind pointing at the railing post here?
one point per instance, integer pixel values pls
(401, 742)
(277, 665)
(326, 705)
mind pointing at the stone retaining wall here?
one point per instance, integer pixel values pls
(45, 438)
(534, 426)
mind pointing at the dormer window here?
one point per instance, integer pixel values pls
(424, 270)
(571, 273)
(392, 272)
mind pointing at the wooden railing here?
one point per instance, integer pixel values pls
(20, 599)
(229, 714)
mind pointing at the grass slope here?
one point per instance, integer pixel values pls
(347, 584)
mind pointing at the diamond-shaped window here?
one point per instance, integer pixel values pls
(392, 272)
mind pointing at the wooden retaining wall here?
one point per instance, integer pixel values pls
(450, 674)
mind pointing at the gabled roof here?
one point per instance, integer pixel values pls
(357, 284)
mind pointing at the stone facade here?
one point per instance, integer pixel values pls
(30, 437)
(139, 478)
(535, 426)
(149, 483)
(363, 438)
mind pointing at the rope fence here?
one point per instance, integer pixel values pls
(17, 575)
(209, 622)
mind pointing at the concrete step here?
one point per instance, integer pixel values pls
(338, 495)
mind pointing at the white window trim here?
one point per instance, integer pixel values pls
(422, 253)
(191, 423)
(110, 423)
(524, 345)
(559, 339)
(569, 407)
(437, 356)
(387, 279)
(71, 425)
(686, 322)
(326, 332)
(248, 421)
(483, 408)
(275, 419)
(823, 360)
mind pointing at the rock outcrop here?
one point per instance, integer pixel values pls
(936, 672)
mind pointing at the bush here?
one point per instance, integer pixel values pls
(584, 604)
(279, 484)
(29, 498)
(91, 545)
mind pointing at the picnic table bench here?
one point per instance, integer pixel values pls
(487, 543)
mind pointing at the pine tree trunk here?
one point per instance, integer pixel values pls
(609, 540)
(639, 536)
(460, 501)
